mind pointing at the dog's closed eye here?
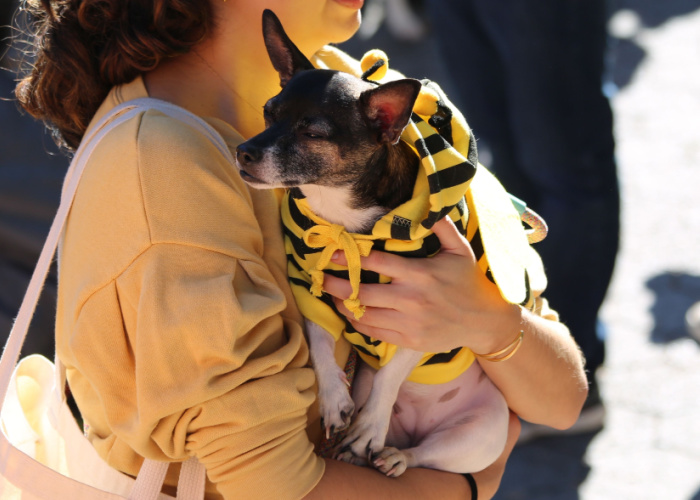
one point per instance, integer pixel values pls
(312, 135)
(315, 129)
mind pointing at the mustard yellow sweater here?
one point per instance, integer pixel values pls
(175, 319)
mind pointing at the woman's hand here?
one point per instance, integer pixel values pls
(437, 304)
(431, 305)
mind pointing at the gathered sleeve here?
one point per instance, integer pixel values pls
(177, 335)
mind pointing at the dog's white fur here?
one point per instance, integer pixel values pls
(335, 204)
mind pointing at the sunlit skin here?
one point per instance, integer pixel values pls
(229, 76)
(231, 67)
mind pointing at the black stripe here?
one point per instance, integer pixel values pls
(293, 260)
(451, 176)
(365, 351)
(379, 245)
(325, 298)
(461, 207)
(400, 230)
(365, 276)
(295, 192)
(300, 219)
(368, 340)
(442, 357)
(463, 221)
(528, 290)
(489, 275)
(431, 244)
(433, 217)
(300, 247)
(431, 145)
(477, 244)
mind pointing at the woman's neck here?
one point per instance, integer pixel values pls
(228, 76)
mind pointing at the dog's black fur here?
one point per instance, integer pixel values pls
(328, 128)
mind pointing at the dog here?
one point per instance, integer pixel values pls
(333, 140)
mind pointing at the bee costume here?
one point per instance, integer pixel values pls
(450, 183)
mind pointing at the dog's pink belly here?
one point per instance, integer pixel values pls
(422, 409)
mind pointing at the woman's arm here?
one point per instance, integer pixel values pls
(543, 382)
(342, 480)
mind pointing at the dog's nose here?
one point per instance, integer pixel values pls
(246, 154)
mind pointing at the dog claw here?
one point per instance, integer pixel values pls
(368, 450)
(391, 462)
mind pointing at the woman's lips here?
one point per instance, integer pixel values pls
(352, 4)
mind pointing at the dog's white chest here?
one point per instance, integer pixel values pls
(335, 205)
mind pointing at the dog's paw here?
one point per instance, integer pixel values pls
(336, 406)
(366, 436)
(346, 455)
(391, 461)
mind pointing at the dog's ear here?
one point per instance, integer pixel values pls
(387, 108)
(286, 58)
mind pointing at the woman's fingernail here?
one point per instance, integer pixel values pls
(336, 256)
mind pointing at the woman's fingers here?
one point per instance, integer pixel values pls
(371, 294)
(388, 336)
(396, 266)
(451, 240)
(384, 263)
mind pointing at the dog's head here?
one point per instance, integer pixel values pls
(324, 127)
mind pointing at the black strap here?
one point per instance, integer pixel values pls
(472, 485)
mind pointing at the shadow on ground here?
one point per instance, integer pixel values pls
(674, 294)
(546, 469)
(654, 13)
(625, 54)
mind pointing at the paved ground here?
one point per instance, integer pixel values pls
(650, 446)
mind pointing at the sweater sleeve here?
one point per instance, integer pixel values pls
(218, 373)
(176, 333)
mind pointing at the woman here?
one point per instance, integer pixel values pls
(175, 320)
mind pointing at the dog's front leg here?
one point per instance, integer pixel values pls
(368, 432)
(335, 403)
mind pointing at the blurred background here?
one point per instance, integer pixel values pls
(649, 383)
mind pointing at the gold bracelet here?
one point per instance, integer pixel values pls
(505, 353)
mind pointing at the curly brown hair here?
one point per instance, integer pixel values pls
(85, 47)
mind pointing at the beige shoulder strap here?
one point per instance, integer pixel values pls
(150, 479)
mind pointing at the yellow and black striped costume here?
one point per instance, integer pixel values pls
(450, 183)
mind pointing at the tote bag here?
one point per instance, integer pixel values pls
(43, 453)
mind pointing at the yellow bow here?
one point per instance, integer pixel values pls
(332, 238)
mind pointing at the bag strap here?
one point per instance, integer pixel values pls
(148, 484)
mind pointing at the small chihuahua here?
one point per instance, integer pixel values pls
(336, 139)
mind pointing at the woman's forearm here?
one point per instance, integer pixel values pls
(344, 481)
(544, 381)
